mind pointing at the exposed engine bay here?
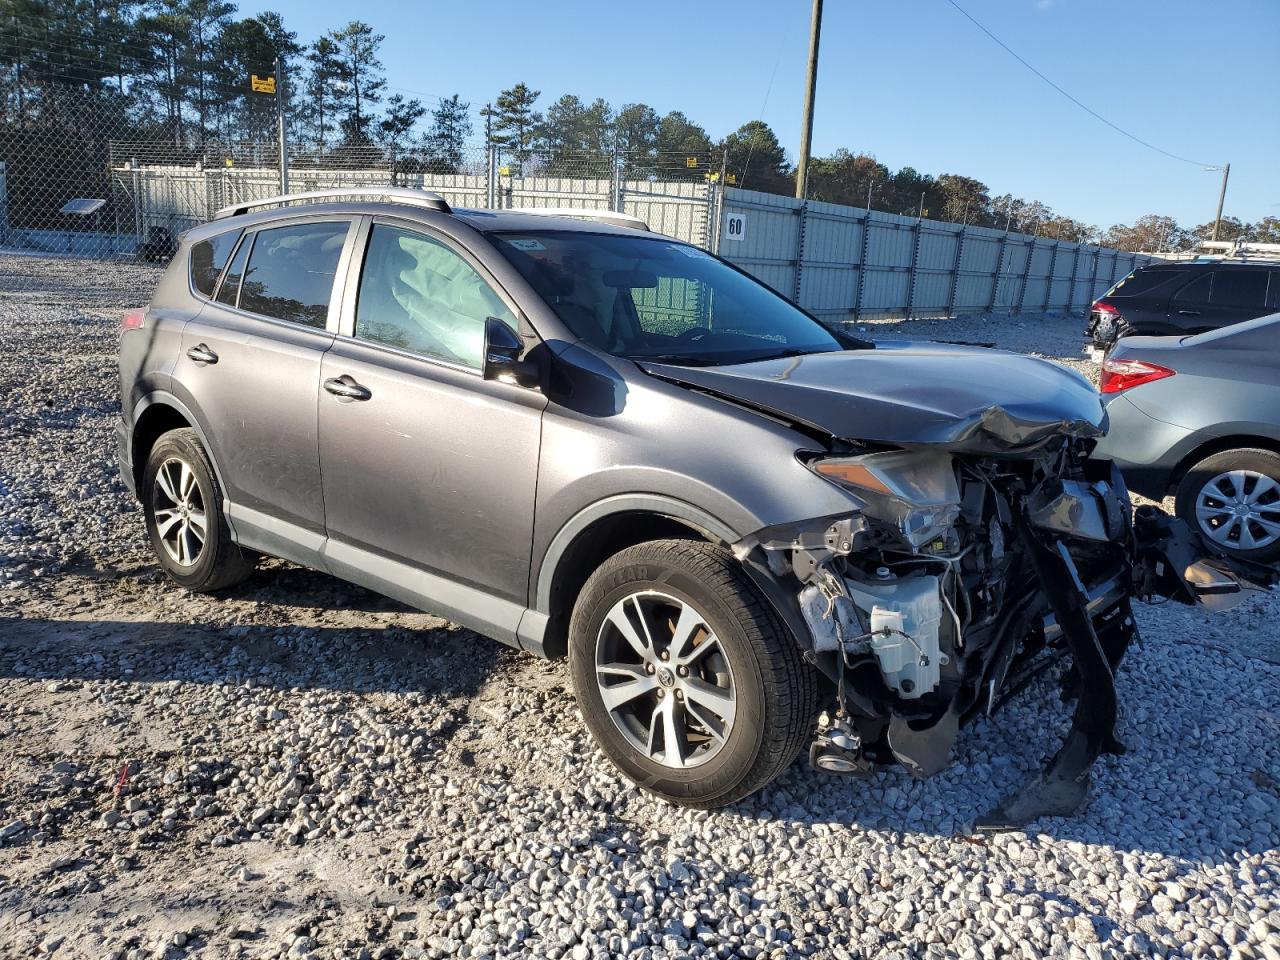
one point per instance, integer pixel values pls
(970, 570)
(986, 546)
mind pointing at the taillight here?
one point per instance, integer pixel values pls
(1104, 308)
(1118, 375)
(132, 320)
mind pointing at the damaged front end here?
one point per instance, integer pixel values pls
(970, 568)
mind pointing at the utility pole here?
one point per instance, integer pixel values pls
(1222, 198)
(806, 127)
(281, 144)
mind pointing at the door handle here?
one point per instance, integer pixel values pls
(202, 354)
(1188, 313)
(346, 388)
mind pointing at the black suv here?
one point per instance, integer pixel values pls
(1173, 299)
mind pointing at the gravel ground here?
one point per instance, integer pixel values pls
(301, 768)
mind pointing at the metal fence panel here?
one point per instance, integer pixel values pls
(843, 263)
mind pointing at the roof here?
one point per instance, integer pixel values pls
(1208, 264)
(493, 221)
(416, 204)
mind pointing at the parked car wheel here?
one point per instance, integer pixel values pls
(1233, 498)
(183, 507)
(685, 676)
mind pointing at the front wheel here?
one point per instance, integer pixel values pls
(1233, 499)
(685, 676)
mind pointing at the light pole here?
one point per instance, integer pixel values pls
(806, 127)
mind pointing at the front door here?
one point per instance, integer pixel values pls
(429, 469)
(251, 364)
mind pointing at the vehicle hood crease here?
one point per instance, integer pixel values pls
(967, 399)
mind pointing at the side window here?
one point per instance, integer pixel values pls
(1146, 283)
(417, 294)
(208, 257)
(290, 272)
(229, 292)
(1273, 291)
(1197, 291)
(1240, 288)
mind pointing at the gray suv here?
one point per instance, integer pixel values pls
(576, 436)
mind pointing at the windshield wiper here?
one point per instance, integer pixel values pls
(679, 359)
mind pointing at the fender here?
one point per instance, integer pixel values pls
(621, 503)
(165, 398)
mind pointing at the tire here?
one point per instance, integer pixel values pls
(739, 646)
(200, 565)
(1211, 485)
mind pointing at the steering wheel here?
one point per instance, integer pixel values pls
(693, 335)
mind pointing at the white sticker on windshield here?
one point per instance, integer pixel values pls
(689, 251)
(526, 243)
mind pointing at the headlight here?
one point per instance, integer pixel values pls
(915, 491)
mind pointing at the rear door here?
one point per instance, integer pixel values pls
(251, 364)
(1239, 294)
(429, 469)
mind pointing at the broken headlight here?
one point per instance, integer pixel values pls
(914, 491)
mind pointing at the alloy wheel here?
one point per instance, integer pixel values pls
(665, 680)
(179, 512)
(1240, 509)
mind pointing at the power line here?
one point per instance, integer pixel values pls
(1093, 113)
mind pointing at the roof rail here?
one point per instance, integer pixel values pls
(405, 195)
(586, 213)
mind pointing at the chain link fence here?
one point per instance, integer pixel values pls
(77, 180)
(84, 178)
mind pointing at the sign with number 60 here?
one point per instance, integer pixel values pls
(735, 226)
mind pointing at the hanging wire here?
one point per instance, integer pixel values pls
(1089, 110)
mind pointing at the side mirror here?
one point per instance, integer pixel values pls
(502, 349)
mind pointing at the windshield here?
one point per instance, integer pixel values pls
(650, 298)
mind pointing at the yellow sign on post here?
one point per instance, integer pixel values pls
(691, 162)
(262, 84)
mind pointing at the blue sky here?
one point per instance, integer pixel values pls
(910, 81)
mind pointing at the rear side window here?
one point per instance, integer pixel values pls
(1240, 288)
(1197, 291)
(290, 272)
(1146, 283)
(208, 257)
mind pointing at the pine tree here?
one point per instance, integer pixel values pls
(756, 158)
(450, 127)
(515, 122)
(636, 130)
(360, 74)
(205, 21)
(679, 137)
(322, 102)
(395, 127)
(284, 44)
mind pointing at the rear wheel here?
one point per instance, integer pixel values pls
(684, 675)
(183, 507)
(1233, 498)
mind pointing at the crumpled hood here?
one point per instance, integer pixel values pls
(970, 399)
